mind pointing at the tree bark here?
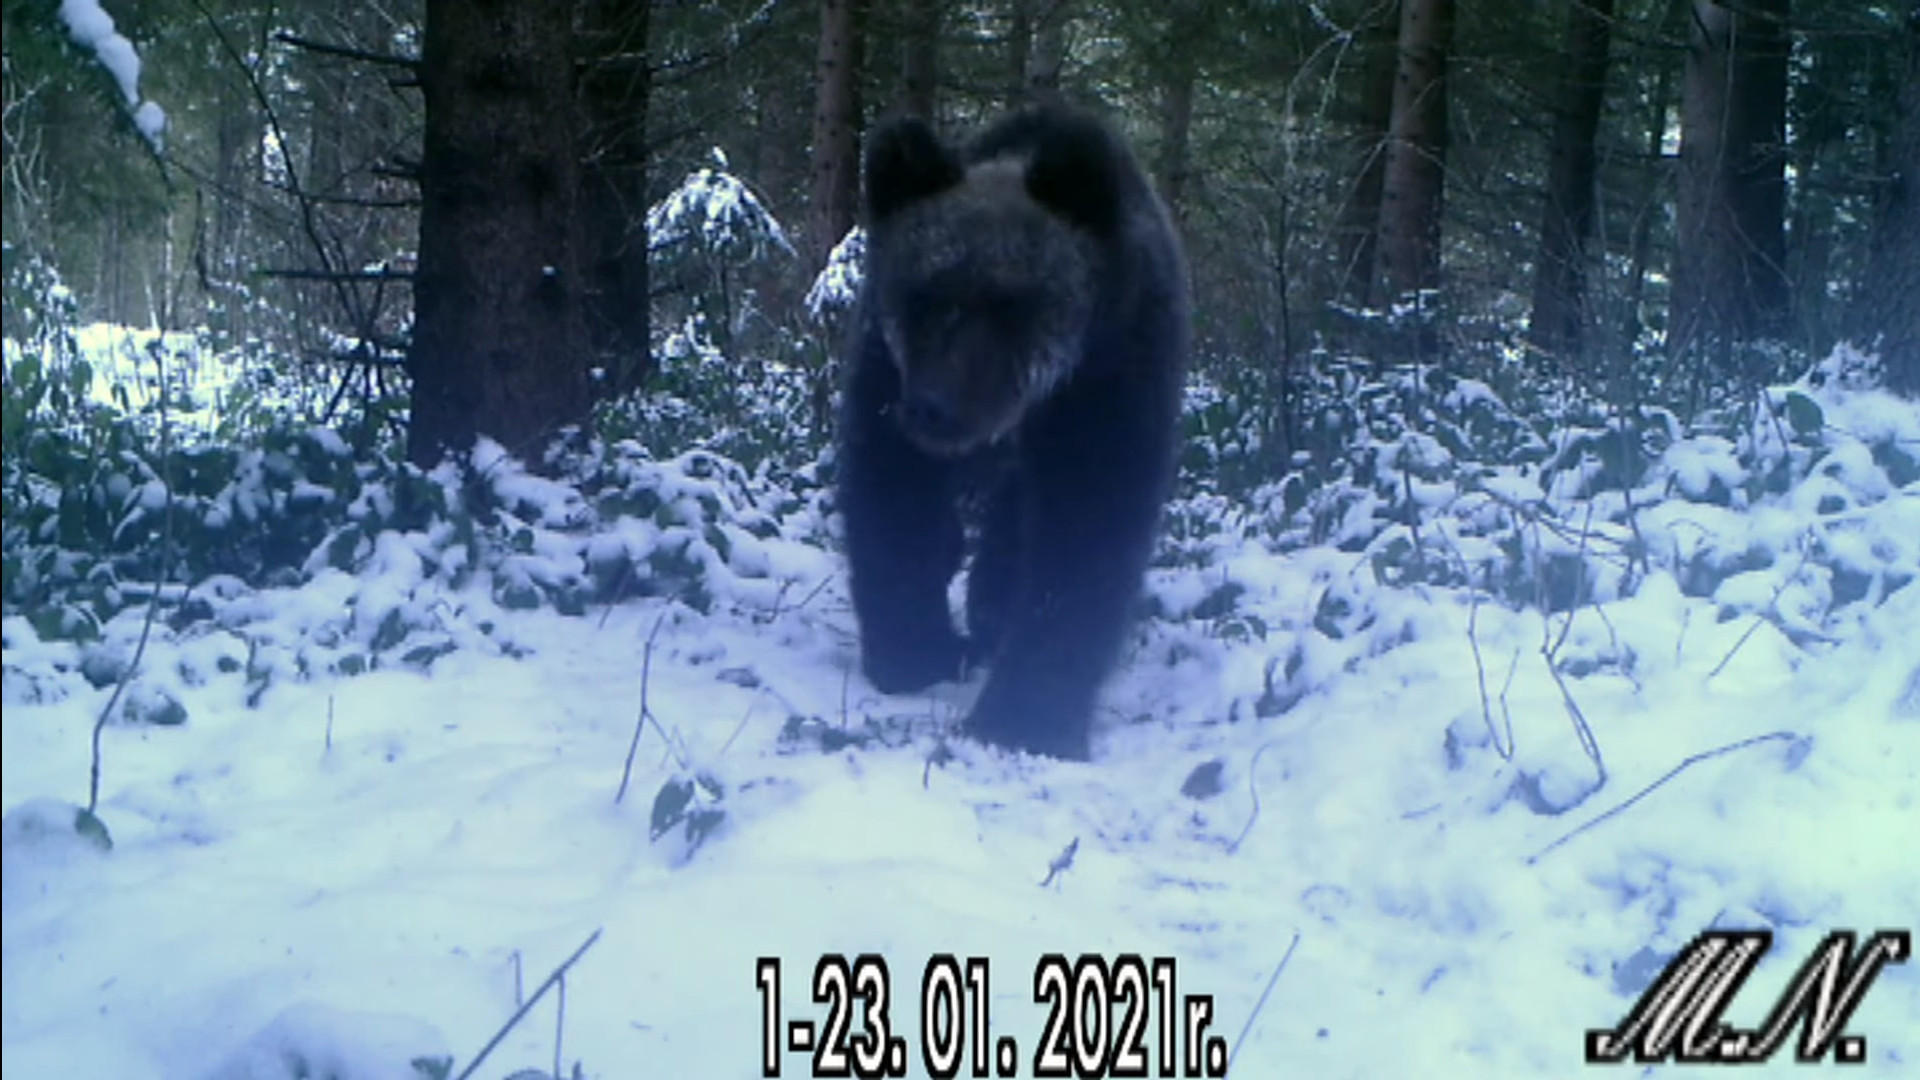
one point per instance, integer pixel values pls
(1019, 48)
(920, 59)
(1358, 227)
(1893, 312)
(836, 150)
(1048, 54)
(1416, 151)
(1179, 73)
(1728, 284)
(1652, 205)
(615, 85)
(1560, 316)
(499, 344)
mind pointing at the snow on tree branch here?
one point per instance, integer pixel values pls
(839, 282)
(92, 27)
(719, 209)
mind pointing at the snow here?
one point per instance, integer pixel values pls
(123, 362)
(719, 208)
(92, 27)
(335, 866)
(391, 842)
(838, 285)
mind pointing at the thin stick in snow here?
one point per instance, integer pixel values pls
(1253, 789)
(1690, 761)
(1241, 1040)
(558, 974)
(646, 712)
(153, 602)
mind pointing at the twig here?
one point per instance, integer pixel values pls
(1580, 568)
(558, 973)
(348, 52)
(559, 1024)
(613, 593)
(646, 712)
(1253, 789)
(1505, 750)
(1688, 762)
(335, 276)
(1506, 711)
(1773, 608)
(737, 729)
(1639, 541)
(1241, 1040)
(1551, 653)
(1581, 729)
(153, 602)
(804, 601)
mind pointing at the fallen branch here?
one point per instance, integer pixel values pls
(558, 974)
(1241, 1039)
(1687, 763)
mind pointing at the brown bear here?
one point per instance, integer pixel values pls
(1016, 365)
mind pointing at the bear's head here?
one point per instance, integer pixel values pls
(983, 275)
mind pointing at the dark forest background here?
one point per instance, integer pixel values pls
(1530, 266)
(1671, 198)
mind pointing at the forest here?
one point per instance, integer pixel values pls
(419, 421)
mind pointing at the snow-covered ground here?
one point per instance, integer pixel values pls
(126, 373)
(1368, 821)
(413, 846)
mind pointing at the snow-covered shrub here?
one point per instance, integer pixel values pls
(1806, 512)
(703, 236)
(836, 289)
(766, 412)
(727, 377)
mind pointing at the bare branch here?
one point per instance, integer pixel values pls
(381, 273)
(347, 51)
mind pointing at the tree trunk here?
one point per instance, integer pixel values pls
(836, 146)
(612, 210)
(1893, 312)
(499, 344)
(920, 59)
(1416, 151)
(1019, 48)
(1178, 69)
(1048, 54)
(1728, 285)
(1560, 315)
(1358, 228)
(1652, 205)
(236, 166)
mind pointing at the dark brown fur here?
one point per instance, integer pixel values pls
(1023, 317)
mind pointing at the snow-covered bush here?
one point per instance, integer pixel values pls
(727, 377)
(1800, 505)
(703, 238)
(770, 413)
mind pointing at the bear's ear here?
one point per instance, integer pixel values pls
(906, 162)
(1074, 174)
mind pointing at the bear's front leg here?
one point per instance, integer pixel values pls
(1092, 506)
(993, 582)
(903, 538)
